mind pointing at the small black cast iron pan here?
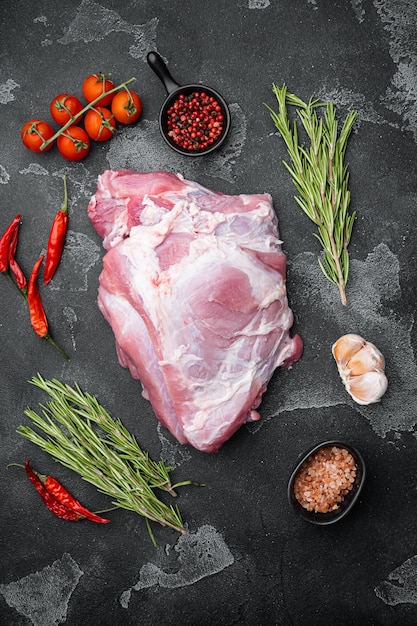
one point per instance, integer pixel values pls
(174, 90)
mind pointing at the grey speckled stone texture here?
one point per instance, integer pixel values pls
(246, 558)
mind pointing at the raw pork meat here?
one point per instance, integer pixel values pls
(193, 286)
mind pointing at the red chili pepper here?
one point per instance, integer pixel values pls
(56, 239)
(64, 497)
(5, 244)
(36, 311)
(17, 272)
(53, 505)
(37, 314)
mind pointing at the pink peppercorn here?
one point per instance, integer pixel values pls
(195, 121)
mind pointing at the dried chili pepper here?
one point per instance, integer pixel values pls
(65, 505)
(64, 497)
(17, 271)
(56, 239)
(52, 504)
(5, 245)
(37, 314)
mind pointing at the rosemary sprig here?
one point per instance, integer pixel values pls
(111, 460)
(320, 176)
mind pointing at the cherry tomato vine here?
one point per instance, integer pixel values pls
(73, 142)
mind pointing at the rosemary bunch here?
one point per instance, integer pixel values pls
(111, 459)
(320, 176)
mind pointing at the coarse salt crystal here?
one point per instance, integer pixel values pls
(325, 479)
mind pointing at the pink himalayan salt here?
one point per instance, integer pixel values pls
(325, 479)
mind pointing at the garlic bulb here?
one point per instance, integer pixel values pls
(361, 367)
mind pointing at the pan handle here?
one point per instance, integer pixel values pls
(158, 65)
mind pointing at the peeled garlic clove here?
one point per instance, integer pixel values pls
(368, 358)
(346, 347)
(368, 388)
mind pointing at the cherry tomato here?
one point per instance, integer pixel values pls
(100, 124)
(96, 84)
(126, 106)
(74, 143)
(64, 107)
(34, 133)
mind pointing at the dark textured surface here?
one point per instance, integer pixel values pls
(246, 559)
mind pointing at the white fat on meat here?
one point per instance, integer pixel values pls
(193, 287)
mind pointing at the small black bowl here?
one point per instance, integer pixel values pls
(174, 90)
(346, 505)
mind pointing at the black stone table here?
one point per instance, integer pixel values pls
(246, 558)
